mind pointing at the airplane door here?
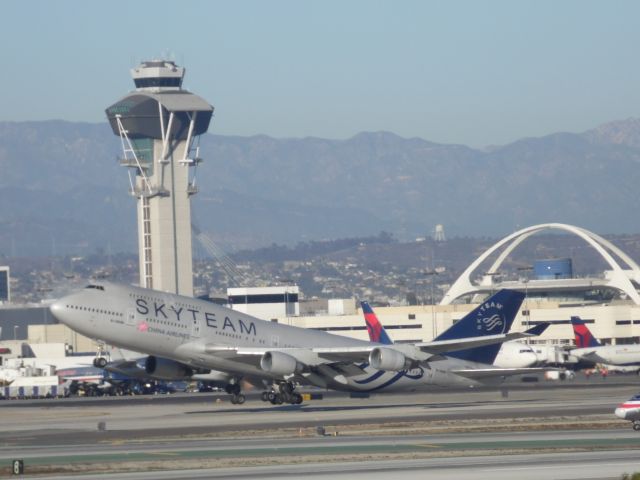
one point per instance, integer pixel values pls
(195, 328)
(130, 318)
(275, 341)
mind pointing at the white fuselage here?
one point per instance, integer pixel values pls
(515, 355)
(610, 354)
(197, 333)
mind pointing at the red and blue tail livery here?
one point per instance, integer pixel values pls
(376, 331)
(583, 336)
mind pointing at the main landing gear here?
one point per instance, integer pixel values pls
(237, 397)
(636, 425)
(285, 393)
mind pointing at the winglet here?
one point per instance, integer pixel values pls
(376, 331)
(583, 336)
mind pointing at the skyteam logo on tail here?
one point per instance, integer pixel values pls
(489, 318)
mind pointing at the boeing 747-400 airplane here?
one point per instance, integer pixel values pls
(184, 335)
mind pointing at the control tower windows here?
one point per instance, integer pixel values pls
(158, 82)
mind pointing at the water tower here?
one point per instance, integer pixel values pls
(159, 125)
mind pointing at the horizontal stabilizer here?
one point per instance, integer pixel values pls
(538, 329)
(438, 347)
(480, 373)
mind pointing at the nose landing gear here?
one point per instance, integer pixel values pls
(101, 360)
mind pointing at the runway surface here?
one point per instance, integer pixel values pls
(564, 432)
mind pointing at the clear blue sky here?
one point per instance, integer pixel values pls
(471, 72)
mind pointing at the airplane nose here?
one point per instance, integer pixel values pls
(60, 310)
(621, 413)
(57, 308)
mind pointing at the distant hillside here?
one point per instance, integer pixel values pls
(61, 189)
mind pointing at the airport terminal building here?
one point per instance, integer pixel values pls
(609, 303)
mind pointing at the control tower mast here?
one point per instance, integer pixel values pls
(159, 125)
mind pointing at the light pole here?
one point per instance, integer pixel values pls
(525, 280)
(434, 329)
(15, 333)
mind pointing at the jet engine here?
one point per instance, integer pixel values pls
(388, 359)
(165, 369)
(279, 363)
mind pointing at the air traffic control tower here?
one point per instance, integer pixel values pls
(159, 125)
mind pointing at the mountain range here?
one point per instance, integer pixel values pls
(63, 191)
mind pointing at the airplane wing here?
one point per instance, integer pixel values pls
(592, 356)
(311, 357)
(349, 361)
(308, 356)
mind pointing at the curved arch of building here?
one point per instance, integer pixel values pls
(619, 277)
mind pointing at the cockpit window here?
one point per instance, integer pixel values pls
(97, 287)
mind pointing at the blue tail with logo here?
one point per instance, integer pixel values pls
(494, 316)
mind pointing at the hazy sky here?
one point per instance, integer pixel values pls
(472, 72)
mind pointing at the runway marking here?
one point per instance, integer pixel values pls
(555, 467)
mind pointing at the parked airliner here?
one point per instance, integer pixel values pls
(184, 335)
(591, 350)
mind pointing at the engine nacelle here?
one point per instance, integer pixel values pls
(165, 369)
(279, 363)
(382, 358)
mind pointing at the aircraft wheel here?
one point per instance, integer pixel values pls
(286, 388)
(264, 396)
(278, 399)
(636, 426)
(240, 399)
(234, 400)
(297, 399)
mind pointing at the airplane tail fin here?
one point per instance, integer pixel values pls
(584, 337)
(376, 331)
(494, 316)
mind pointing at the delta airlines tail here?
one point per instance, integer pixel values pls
(583, 336)
(376, 331)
